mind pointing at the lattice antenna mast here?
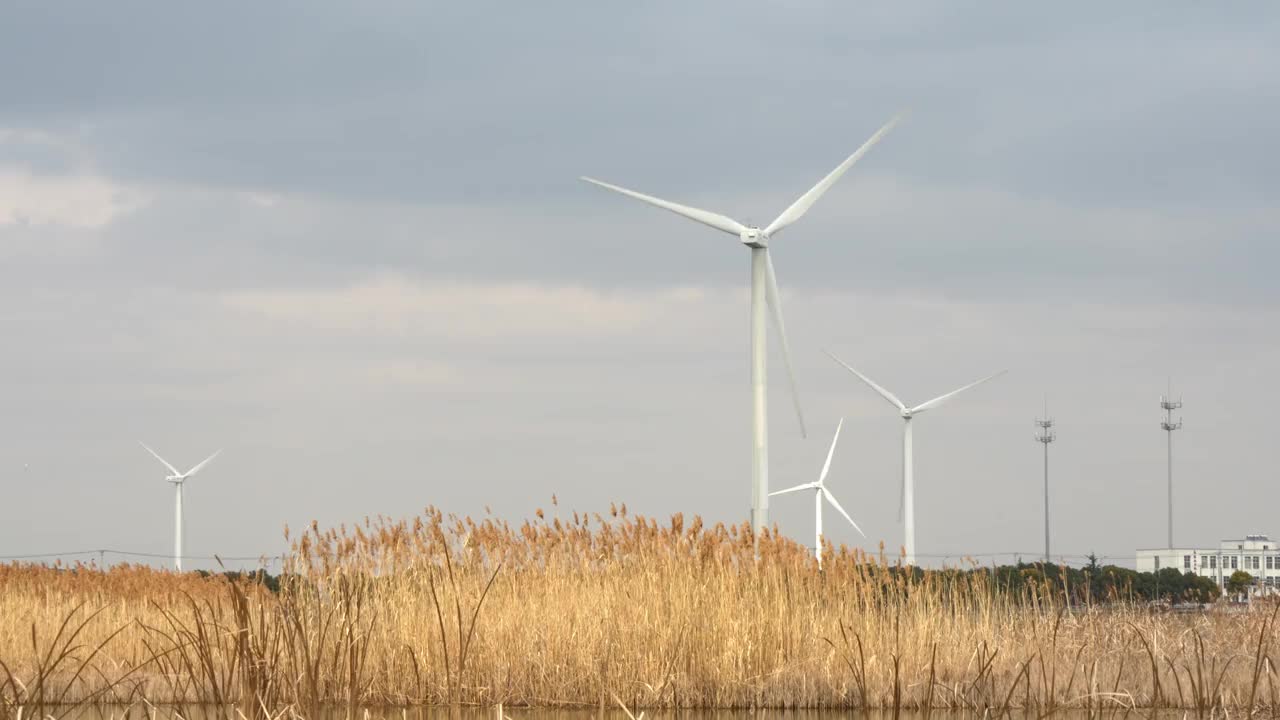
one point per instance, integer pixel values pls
(1168, 404)
(1045, 434)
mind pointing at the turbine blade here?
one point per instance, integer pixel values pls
(827, 465)
(801, 206)
(883, 393)
(775, 305)
(706, 217)
(943, 398)
(836, 504)
(197, 468)
(806, 486)
(157, 456)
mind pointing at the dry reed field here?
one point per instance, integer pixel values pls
(578, 611)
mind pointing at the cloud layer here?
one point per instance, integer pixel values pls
(350, 247)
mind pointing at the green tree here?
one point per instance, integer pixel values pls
(1199, 589)
(1239, 582)
(1169, 584)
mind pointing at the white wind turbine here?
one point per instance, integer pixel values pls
(906, 510)
(177, 478)
(764, 290)
(820, 491)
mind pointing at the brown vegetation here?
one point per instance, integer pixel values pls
(575, 611)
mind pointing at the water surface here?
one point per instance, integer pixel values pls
(197, 712)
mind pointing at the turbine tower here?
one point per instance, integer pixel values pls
(1169, 405)
(820, 491)
(906, 510)
(178, 478)
(764, 291)
(1046, 435)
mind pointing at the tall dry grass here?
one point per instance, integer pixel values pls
(574, 611)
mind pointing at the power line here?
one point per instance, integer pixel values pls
(1034, 553)
(273, 557)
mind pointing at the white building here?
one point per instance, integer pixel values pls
(1255, 554)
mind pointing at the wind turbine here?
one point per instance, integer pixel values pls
(819, 492)
(764, 290)
(906, 510)
(177, 478)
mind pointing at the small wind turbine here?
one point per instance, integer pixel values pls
(764, 290)
(906, 511)
(819, 492)
(177, 478)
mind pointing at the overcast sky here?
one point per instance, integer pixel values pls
(347, 244)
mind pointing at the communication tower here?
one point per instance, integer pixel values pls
(1045, 435)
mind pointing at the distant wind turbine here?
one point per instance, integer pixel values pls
(906, 510)
(764, 290)
(820, 491)
(177, 478)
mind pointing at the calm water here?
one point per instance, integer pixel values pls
(208, 713)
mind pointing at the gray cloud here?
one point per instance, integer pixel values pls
(349, 245)
(428, 103)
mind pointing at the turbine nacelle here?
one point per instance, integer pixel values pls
(764, 300)
(177, 478)
(754, 237)
(907, 508)
(820, 493)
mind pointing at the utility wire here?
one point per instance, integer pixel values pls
(128, 553)
(274, 557)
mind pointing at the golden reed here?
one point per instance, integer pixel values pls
(578, 610)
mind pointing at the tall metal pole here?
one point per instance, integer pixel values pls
(1169, 480)
(817, 526)
(908, 495)
(1047, 554)
(1167, 402)
(1044, 436)
(177, 530)
(759, 397)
